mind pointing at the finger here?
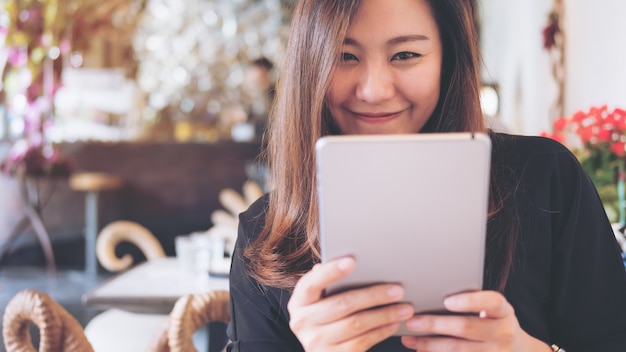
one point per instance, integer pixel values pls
(351, 307)
(341, 305)
(366, 322)
(471, 328)
(366, 341)
(489, 304)
(310, 287)
(425, 344)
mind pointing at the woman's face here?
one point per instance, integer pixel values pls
(389, 74)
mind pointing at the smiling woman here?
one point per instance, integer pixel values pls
(387, 81)
(411, 66)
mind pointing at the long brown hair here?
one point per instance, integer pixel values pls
(288, 245)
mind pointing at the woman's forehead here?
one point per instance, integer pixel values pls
(384, 19)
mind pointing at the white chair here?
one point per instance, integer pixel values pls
(115, 329)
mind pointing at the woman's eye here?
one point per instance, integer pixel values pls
(405, 55)
(347, 57)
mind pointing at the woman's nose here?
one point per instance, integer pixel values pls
(375, 84)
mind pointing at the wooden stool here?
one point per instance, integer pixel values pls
(92, 183)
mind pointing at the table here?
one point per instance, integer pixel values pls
(152, 287)
(32, 204)
(92, 183)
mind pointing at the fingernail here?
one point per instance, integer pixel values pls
(345, 264)
(452, 302)
(395, 291)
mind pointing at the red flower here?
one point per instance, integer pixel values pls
(604, 135)
(618, 148)
(587, 134)
(599, 113)
(598, 130)
(619, 118)
(579, 116)
(560, 123)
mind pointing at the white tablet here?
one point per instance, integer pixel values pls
(411, 209)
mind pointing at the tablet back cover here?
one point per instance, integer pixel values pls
(409, 208)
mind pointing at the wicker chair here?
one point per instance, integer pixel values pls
(58, 330)
(190, 313)
(114, 233)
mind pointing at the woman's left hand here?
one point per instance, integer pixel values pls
(495, 328)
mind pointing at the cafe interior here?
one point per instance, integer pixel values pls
(131, 135)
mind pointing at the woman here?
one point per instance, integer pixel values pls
(553, 274)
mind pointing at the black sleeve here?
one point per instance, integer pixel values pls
(259, 320)
(588, 277)
(568, 283)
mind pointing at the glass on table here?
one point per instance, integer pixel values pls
(199, 252)
(185, 253)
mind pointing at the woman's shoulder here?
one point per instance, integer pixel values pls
(252, 220)
(526, 144)
(257, 208)
(526, 151)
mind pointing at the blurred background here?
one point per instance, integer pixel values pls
(170, 98)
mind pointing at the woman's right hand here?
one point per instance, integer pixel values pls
(346, 321)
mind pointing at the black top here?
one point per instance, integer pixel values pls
(567, 284)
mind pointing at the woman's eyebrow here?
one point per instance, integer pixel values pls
(408, 38)
(396, 40)
(350, 41)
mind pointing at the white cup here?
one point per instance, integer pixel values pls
(204, 253)
(217, 250)
(209, 250)
(185, 253)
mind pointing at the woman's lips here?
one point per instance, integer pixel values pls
(378, 117)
